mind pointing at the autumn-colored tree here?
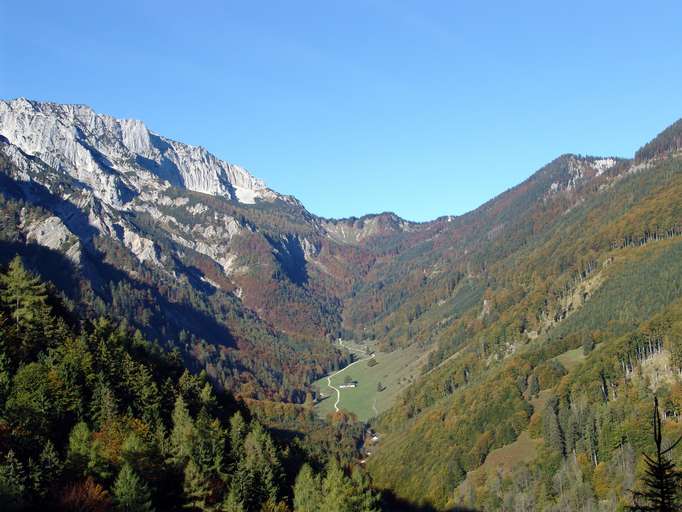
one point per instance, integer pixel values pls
(85, 496)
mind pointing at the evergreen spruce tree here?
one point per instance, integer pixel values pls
(12, 483)
(662, 479)
(337, 490)
(22, 293)
(183, 433)
(555, 434)
(130, 493)
(103, 405)
(43, 473)
(307, 492)
(364, 499)
(196, 487)
(147, 393)
(210, 444)
(79, 448)
(260, 471)
(238, 431)
(25, 297)
(232, 503)
(5, 380)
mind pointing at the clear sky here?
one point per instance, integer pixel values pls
(423, 108)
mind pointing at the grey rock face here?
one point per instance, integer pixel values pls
(115, 167)
(117, 158)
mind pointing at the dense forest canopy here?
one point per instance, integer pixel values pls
(94, 417)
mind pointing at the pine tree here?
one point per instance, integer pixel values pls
(364, 499)
(196, 487)
(307, 491)
(238, 431)
(232, 503)
(588, 345)
(555, 434)
(79, 448)
(183, 433)
(662, 478)
(22, 292)
(103, 406)
(5, 380)
(337, 490)
(12, 483)
(45, 471)
(259, 472)
(85, 455)
(130, 493)
(147, 393)
(25, 297)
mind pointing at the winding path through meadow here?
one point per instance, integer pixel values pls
(329, 377)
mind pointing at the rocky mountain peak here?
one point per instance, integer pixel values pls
(118, 158)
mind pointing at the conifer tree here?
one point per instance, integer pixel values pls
(662, 478)
(25, 297)
(210, 446)
(196, 487)
(555, 434)
(12, 483)
(365, 500)
(238, 431)
(22, 292)
(183, 433)
(232, 502)
(5, 380)
(261, 467)
(337, 490)
(79, 448)
(45, 471)
(307, 492)
(103, 405)
(130, 493)
(533, 386)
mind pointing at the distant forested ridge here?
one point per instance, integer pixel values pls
(538, 397)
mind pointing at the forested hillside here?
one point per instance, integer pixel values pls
(93, 417)
(576, 329)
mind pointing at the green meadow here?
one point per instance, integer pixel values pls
(394, 371)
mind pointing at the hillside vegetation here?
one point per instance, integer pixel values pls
(94, 418)
(606, 272)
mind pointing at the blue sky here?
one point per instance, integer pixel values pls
(422, 108)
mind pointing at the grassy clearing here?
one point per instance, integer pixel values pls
(504, 459)
(571, 358)
(394, 370)
(508, 456)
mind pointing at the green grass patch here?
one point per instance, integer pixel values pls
(393, 370)
(571, 358)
